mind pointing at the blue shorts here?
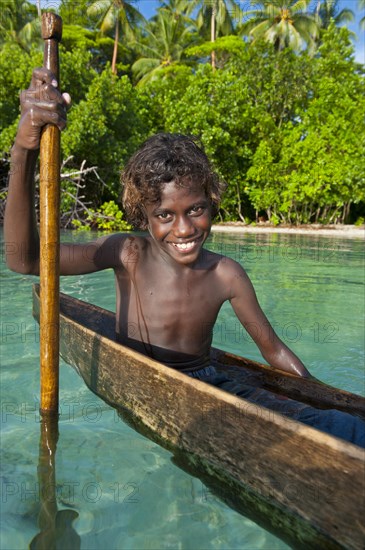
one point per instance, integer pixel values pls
(337, 423)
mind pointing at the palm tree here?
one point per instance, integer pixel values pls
(284, 23)
(185, 7)
(329, 9)
(221, 14)
(165, 40)
(116, 15)
(19, 23)
(361, 6)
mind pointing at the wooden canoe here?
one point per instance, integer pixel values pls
(305, 486)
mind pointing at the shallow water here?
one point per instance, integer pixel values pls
(125, 488)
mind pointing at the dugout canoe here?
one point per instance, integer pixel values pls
(305, 486)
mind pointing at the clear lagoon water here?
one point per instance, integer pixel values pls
(126, 490)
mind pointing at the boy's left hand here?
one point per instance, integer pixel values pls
(42, 103)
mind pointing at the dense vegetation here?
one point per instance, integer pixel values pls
(275, 97)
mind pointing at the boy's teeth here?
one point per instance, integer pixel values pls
(184, 246)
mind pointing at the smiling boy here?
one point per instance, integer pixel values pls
(169, 289)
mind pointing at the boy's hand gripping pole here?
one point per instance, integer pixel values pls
(50, 233)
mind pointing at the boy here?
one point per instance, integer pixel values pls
(169, 289)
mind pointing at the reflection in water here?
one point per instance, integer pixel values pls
(56, 530)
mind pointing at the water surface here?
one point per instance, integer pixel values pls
(125, 488)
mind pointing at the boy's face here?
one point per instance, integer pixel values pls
(180, 223)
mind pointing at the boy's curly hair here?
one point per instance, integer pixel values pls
(161, 159)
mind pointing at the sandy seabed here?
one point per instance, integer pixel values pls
(338, 231)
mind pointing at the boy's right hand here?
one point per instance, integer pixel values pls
(41, 104)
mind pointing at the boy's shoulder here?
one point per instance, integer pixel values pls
(133, 246)
(226, 267)
(231, 267)
(118, 249)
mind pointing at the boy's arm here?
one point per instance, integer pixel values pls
(41, 104)
(20, 228)
(245, 304)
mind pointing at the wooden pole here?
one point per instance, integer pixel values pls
(50, 233)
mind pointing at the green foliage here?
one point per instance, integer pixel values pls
(77, 71)
(74, 13)
(226, 44)
(313, 169)
(105, 128)
(7, 137)
(217, 17)
(116, 17)
(107, 218)
(233, 110)
(214, 106)
(163, 46)
(19, 24)
(98, 50)
(287, 23)
(285, 131)
(75, 36)
(16, 67)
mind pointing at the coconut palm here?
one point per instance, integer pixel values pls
(361, 6)
(220, 14)
(215, 17)
(329, 9)
(284, 23)
(116, 15)
(178, 9)
(163, 45)
(19, 23)
(185, 7)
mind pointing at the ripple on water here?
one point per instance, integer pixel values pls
(126, 489)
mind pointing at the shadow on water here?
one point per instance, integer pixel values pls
(253, 505)
(56, 530)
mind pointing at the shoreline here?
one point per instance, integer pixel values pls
(341, 231)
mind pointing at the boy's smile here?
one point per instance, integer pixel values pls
(180, 223)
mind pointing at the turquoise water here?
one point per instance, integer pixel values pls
(125, 488)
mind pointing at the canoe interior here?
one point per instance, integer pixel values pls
(304, 486)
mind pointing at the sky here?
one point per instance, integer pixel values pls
(148, 8)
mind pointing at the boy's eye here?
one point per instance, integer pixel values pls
(197, 209)
(163, 216)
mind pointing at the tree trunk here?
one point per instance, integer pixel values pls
(239, 203)
(212, 35)
(317, 214)
(115, 50)
(334, 216)
(346, 211)
(324, 214)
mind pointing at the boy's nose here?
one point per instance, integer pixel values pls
(183, 227)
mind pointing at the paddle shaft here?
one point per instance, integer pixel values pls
(50, 233)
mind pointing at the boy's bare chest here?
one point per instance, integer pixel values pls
(173, 315)
(168, 298)
(165, 305)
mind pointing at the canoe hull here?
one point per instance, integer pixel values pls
(306, 486)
